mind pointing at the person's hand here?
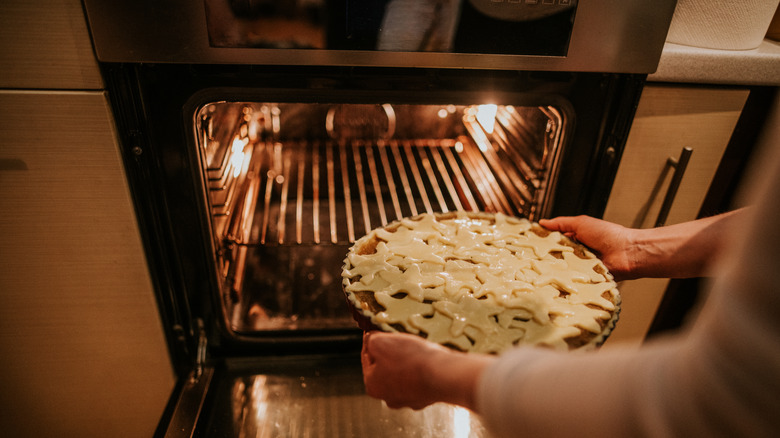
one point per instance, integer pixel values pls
(396, 369)
(407, 371)
(612, 243)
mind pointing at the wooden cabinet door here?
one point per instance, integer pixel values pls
(669, 118)
(83, 350)
(46, 45)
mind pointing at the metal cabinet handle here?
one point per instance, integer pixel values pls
(679, 165)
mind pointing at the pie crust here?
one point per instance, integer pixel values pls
(480, 282)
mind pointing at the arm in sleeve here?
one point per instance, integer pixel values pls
(720, 377)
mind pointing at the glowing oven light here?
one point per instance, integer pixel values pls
(486, 115)
(237, 154)
(239, 143)
(237, 161)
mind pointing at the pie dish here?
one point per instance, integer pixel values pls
(480, 282)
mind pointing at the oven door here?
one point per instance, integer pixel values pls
(311, 395)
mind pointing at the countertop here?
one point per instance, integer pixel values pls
(687, 64)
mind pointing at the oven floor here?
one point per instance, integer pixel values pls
(318, 396)
(293, 288)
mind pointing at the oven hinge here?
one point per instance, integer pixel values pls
(200, 359)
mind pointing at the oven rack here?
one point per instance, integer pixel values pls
(335, 192)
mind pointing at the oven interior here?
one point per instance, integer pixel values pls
(292, 185)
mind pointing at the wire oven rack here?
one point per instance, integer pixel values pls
(285, 212)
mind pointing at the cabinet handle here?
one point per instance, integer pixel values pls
(679, 165)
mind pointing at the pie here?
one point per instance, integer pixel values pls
(480, 282)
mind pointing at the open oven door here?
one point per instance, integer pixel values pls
(318, 395)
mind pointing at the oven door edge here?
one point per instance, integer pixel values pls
(186, 406)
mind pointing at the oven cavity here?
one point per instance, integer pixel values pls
(291, 186)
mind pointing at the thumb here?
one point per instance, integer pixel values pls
(564, 224)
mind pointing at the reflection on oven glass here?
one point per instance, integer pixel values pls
(331, 402)
(292, 185)
(461, 26)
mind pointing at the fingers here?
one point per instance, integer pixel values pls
(368, 363)
(391, 368)
(567, 225)
(564, 224)
(366, 359)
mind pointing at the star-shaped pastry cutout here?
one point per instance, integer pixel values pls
(366, 266)
(537, 303)
(513, 318)
(585, 317)
(439, 330)
(494, 339)
(586, 293)
(400, 311)
(468, 311)
(542, 245)
(411, 281)
(586, 266)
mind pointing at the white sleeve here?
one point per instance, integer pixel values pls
(720, 377)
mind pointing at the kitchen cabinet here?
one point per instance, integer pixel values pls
(669, 117)
(81, 338)
(46, 45)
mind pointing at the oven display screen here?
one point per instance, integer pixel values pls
(510, 27)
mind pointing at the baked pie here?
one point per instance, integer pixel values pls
(480, 282)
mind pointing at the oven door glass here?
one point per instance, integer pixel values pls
(512, 27)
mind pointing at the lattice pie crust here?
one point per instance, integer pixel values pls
(480, 282)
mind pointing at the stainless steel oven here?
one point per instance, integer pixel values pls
(262, 138)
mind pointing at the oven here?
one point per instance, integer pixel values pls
(262, 138)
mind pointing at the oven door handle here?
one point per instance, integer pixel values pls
(679, 165)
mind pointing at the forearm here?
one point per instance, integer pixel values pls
(454, 376)
(682, 250)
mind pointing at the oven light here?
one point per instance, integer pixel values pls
(486, 115)
(443, 113)
(482, 141)
(237, 161)
(238, 144)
